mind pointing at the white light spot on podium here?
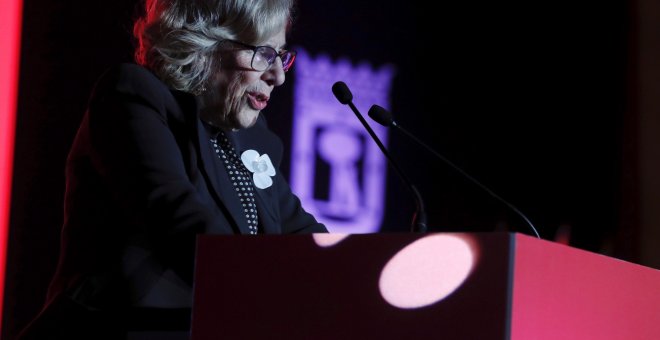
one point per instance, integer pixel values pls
(328, 240)
(426, 271)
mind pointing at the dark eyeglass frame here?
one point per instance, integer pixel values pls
(255, 49)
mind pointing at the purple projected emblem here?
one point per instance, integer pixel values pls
(336, 169)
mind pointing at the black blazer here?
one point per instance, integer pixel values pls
(142, 182)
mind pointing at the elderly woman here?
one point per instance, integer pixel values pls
(171, 147)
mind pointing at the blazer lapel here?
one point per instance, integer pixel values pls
(216, 177)
(219, 181)
(266, 205)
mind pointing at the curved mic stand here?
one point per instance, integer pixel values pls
(344, 95)
(384, 117)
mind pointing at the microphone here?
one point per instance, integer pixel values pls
(344, 96)
(384, 117)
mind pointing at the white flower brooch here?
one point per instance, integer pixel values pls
(260, 166)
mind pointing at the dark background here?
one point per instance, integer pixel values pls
(526, 97)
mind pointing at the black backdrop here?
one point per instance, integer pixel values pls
(526, 97)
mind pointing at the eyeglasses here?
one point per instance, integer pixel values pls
(264, 56)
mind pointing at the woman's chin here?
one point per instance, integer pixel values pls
(248, 119)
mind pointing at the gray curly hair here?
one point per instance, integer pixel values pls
(178, 39)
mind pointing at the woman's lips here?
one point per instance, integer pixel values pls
(258, 101)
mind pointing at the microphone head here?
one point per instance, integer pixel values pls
(342, 92)
(381, 116)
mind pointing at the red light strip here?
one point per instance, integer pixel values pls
(10, 45)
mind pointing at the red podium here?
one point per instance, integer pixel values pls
(418, 286)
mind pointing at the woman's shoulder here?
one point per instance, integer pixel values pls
(132, 82)
(129, 78)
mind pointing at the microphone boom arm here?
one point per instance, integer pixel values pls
(383, 117)
(419, 219)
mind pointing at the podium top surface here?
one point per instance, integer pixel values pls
(404, 285)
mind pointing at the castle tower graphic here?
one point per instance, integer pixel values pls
(337, 170)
